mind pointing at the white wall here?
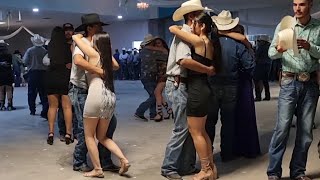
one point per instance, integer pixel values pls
(263, 21)
(22, 40)
(124, 33)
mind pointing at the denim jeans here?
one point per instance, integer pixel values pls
(223, 99)
(78, 98)
(180, 155)
(303, 96)
(150, 103)
(36, 84)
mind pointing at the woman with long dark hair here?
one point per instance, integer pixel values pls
(198, 90)
(100, 103)
(57, 82)
(160, 45)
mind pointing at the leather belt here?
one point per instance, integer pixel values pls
(302, 76)
(177, 80)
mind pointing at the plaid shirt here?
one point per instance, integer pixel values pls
(306, 61)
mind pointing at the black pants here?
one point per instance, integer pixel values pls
(223, 99)
(259, 86)
(36, 84)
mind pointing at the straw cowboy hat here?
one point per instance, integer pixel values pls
(147, 40)
(88, 19)
(224, 21)
(287, 38)
(187, 7)
(37, 40)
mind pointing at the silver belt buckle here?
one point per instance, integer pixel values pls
(304, 77)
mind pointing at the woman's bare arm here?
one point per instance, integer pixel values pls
(196, 66)
(85, 48)
(115, 64)
(237, 36)
(191, 38)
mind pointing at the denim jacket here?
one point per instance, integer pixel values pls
(235, 58)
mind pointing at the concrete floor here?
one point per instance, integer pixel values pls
(24, 153)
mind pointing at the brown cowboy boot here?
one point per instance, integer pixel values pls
(206, 172)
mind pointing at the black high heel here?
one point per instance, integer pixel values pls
(68, 139)
(159, 116)
(50, 138)
(169, 111)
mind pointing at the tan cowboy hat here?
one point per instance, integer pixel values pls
(287, 38)
(37, 40)
(147, 40)
(187, 7)
(224, 21)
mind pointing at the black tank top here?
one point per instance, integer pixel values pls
(203, 60)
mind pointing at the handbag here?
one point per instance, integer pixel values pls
(46, 60)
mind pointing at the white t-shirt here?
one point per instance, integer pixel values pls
(78, 77)
(178, 50)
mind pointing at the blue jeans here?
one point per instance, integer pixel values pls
(78, 98)
(180, 155)
(150, 103)
(304, 97)
(223, 99)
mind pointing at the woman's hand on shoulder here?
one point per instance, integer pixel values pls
(79, 36)
(174, 28)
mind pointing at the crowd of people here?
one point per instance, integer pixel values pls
(210, 68)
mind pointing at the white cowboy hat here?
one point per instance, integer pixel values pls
(187, 7)
(37, 40)
(287, 38)
(224, 21)
(147, 40)
(3, 42)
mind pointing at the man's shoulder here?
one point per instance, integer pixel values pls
(316, 22)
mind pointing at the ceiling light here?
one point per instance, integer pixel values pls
(2, 22)
(142, 5)
(120, 17)
(35, 10)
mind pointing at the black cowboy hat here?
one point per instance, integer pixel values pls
(88, 19)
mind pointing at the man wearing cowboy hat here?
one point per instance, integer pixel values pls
(78, 92)
(299, 89)
(224, 85)
(36, 73)
(180, 147)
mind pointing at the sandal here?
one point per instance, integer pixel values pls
(50, 138)
(95, 173)
(68, 139)
(124, 166)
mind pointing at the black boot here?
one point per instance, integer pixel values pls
(2, 107)
(10, 107)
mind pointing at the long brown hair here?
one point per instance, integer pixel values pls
(102, 43)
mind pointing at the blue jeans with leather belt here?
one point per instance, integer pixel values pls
(180, 155)
(303, 96)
